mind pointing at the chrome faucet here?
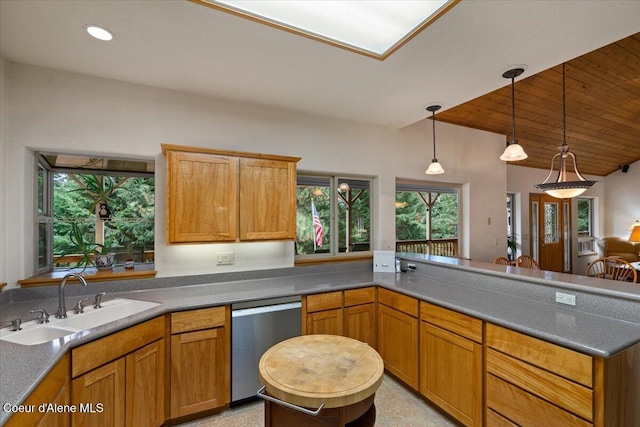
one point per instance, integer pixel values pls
(62, 309)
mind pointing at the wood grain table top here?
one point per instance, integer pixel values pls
(313, 369)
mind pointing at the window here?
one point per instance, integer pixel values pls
(333, 215)
(427, 218)
(108, 202)
(512, 238)
(586, 223)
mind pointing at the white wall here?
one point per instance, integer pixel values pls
(54, 110)
(622, 201)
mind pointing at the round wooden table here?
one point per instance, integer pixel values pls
(339, 375)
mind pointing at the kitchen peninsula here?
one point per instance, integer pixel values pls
(523, 341)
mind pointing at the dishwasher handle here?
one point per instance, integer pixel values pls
(261, 394)
(265, 309)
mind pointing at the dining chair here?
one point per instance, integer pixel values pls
(502, 261)
(612, 268)
(526, 261)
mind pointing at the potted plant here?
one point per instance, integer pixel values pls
(512, 247)
(129, 262)
(90, 253)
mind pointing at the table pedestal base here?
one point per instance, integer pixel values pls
(361, 414)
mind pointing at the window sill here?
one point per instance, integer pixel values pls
(332, 259)
(141, 271)
(587, 254)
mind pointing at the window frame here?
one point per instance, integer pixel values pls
(587, 244)
(405, 185)
(47, 216)
(334, 232)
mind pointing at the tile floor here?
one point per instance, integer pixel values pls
(395, 407)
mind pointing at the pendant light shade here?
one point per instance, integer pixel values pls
(635, 232)
(514, 151)
(434, 168)
(562, 188)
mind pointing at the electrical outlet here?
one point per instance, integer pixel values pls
(224, 258)
(565, 298)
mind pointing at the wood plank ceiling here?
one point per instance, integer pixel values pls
(602, 110)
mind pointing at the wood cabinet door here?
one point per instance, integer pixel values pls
(451, 373)
(360, 323)
(199, 374)
(324, 322)
(202, 191)
(145, 386)
(54, 389)
(99, 396)
(398, 344)
(267, 200)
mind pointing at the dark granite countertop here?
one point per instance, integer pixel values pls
(605, 320)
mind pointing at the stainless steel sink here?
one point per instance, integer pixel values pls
(114, 310)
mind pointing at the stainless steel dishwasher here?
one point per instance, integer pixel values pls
(255, 327)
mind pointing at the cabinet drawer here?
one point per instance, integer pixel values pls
(557, 390)
(359, 296)
(326, 301)
(496, 420)
(452, 321)
(525, 409)
(104, 350)
(567, 363)
(398, 301)
(195, 320)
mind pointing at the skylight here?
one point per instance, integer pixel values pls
(374, 28)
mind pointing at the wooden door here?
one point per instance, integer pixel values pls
(451, 373)
(99, 396)
(398, 344)
(202, 191)
(198, 371)
(267, 199)
(550, 223)
(145, 386)
(360, 323)
(324, 322)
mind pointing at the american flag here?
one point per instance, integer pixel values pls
(317, 227)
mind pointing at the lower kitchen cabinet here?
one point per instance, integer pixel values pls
(451, 362)
(360, 315)
(322, 314)
(398, 335)
(531, 382)
(54, 389)
(200, 360)
(351, 313)
(119, 380)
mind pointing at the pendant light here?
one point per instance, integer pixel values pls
(434, 168)
(561, 188)
(514, 151)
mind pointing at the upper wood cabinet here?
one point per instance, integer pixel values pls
(226, 196)
(201, 198)
(267, 199)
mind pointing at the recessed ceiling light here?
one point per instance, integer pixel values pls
(373, 28)
(99, 32)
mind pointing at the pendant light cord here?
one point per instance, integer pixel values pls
(564, 108)
(513, 109)
(433, 118)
